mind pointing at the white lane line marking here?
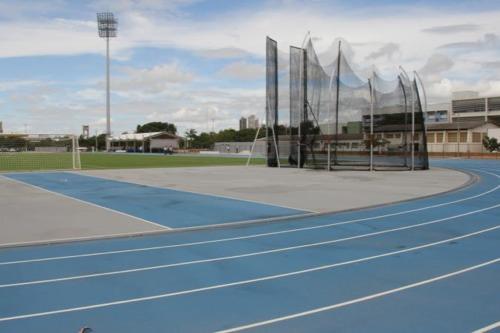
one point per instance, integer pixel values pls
(83, 238)
(87, 202)
(488, 328)
(236, 283)
(361, 299)
(206, 194)
(489, 173)
(251, 254)
(219, 240)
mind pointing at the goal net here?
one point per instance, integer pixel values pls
(27, 152)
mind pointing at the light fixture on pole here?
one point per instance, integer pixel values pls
(107, 26)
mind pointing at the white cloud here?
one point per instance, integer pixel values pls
(163, 91)
(151, 80)
(91, 94)
(18, 84)
(242, 70)
(452, 29)
(223, 53)
(435, 66)
(387, 51)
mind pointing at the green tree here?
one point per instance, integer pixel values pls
(156, 126)
(91, 142)
(190, 135)
(204, 141)
(491, 144)
(227, 135)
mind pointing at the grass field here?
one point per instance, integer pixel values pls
(60, 161)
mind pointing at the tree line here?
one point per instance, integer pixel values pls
(206, 140)
(192, 139)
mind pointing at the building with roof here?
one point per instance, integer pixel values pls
(144, 142)
(462, 136)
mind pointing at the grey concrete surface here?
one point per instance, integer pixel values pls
(311, 190)
(29, 214)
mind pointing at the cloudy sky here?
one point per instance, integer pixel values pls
(201, 63)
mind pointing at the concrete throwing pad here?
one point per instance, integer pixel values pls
(165, 207)
(311, 190)
(104, 203)
(29, 214)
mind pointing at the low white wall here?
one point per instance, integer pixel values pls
(160, 143)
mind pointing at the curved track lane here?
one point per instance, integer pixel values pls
(430, 264)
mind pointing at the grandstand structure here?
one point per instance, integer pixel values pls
(327, 116)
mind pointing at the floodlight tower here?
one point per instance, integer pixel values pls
(107, 26)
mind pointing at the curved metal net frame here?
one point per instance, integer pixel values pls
(329, 117)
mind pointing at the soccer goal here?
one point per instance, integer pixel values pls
(28, 152)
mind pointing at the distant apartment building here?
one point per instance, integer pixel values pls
(253, 121)
(1, 127)
(243, 123)
(85, 131)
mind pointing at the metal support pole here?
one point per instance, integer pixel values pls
(253, 146)
(108, 111)
(337, 105)
(73, 151)
(301, 94)
(371, 122)
(412, 128)
(77, 154)
(298, 152)
(276, 148)
(329, 162)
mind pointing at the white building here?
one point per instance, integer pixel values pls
(460, 136)
(144, 142)
(465, 106)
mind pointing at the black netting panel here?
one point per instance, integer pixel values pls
(352, 147)
(316, 122)
(297, 105)
(391, 123)
(271, 101)
(329, 116)
(420, 143)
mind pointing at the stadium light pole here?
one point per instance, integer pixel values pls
(107, 26)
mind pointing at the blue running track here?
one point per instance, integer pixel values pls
(427, 265)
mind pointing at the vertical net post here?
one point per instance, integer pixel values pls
(73, 155)
(297, 105)
(77, 153)
(422, 157)
(412, 129)
(303, 108)
(405, 105)
(370, 82)
(271, 100)
(335, 157)
(253, 146)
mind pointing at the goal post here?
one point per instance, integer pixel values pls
(32, 152)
